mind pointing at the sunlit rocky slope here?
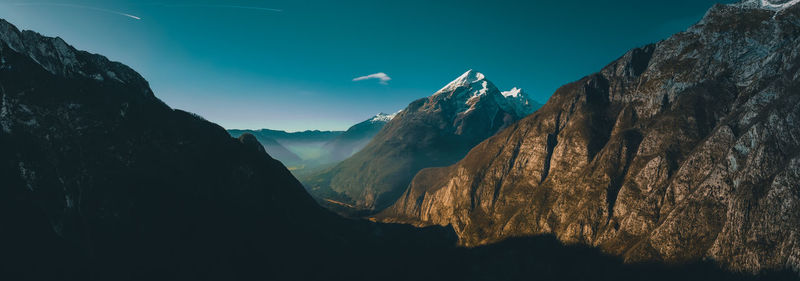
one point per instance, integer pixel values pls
(683, 150)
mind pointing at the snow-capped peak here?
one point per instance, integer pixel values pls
(776, 5)
(472, 88)
(514, 92)
(466, 79)
(383, 117)
(518, 102)
(466, 90)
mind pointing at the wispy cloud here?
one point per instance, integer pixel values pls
(78, 7)
(384, 79)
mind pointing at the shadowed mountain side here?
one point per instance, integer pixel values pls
(102, 181)
(545, 258)
(280, 152)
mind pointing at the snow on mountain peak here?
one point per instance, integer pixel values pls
(514, 92)
(383, 117)
(466, 79)
(518, 102)
(779, 5)
(776, 5)
(472, 87)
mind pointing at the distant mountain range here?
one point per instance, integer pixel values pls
(305, 145)
(356, 137)
(310, 136)
(276, 150)
(430, 132)
(311, 149)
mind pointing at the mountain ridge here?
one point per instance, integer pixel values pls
(433, 131)
(356, 137)
(103, 181)
(309, 150)
(678, 151)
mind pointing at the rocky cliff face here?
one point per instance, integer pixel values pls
(683, 150)
(430, 132)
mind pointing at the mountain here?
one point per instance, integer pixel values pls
(356, 137)
(278, 151)
(102, 181)
(308, 145)
(318, 148)
(430, 132)
(684, 150)
(309, 136)
(775, 5)
(300, 150)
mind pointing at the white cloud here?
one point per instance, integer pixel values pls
(384, 79)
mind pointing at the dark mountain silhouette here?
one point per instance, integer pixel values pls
(103, 181)
(279, 152)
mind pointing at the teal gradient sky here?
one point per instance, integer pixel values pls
(290, 64)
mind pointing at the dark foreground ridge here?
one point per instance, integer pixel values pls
(102, 181)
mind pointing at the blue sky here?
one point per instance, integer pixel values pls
(291, 64)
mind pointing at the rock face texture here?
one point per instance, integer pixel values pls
(684, 150)
(430, 132)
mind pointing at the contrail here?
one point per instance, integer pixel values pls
(220, 6)
(79, 7)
